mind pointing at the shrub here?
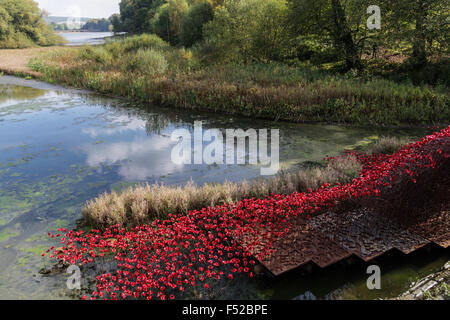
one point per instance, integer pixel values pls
(123, 49)
(161, 21)
(94, 55)
(134, 43)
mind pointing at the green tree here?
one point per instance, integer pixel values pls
(5, 24)
(22, 25)
(97, 25)
(166, 22)
(246, 30)
(161, 23)
(422, 24)
(193, 21)
(342, 23)
(135, 15)
(116, 23)
(177, 9)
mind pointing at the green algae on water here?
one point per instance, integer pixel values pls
(7, 234)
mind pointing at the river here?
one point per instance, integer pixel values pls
(61, 147)
(88, 38)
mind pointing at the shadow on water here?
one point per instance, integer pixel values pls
(61, 147)
(348, 279)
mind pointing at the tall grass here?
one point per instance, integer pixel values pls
(144, 203)
(148, 62)
(146, 68)
(387, 145)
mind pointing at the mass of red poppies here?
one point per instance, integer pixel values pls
(162, 259)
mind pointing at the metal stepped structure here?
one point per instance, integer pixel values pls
(365, 233)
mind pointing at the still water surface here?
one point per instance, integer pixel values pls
(61, 147)
(82, 38)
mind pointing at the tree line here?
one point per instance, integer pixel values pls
(92, 25)
(97, 25)
(279, 30)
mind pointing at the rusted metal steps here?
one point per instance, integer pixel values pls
(300, 246)
(365, 233)
(436, 228)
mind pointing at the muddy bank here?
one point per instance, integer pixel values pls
(15, 61)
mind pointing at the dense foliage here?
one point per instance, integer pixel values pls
(166, 258)
(135, 15)
(283, 30)
(293, 60)
(245, 30)
(59, 26)
(97, 25)
(289, 60)
(193, 21)
(22, 25)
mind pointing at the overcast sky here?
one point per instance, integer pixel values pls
(80, 8)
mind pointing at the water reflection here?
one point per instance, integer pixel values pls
(140, 158)
(82, 38)
(13, 94)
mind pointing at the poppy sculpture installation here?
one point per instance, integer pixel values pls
(162, 259)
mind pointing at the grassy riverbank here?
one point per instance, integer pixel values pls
(147, 69)
(15, 61)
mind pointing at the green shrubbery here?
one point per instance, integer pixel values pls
(142, 54)
(147, 61)
(94, 55)
(246, 30)
(22, 26)
(130, 45)
(167, 20)
(331, 34)
(193, 21)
